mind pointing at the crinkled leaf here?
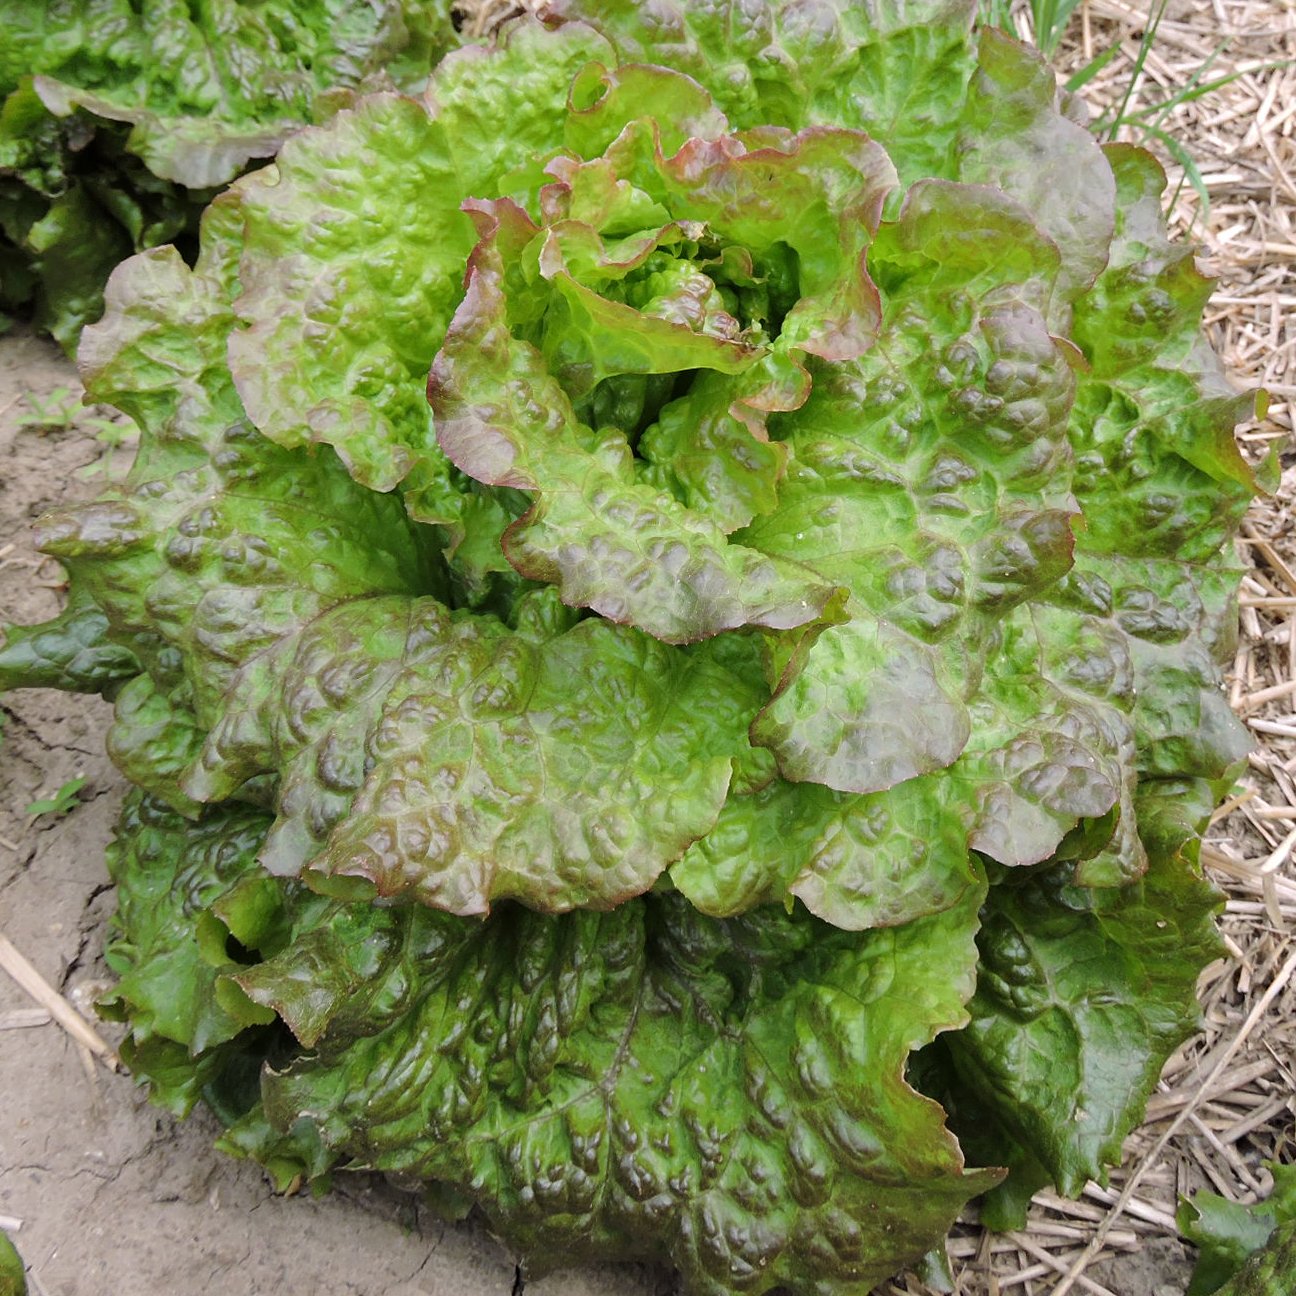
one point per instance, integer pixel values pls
(898, 70)
(628, 551)
(592, 1076)
(585, 1106)
(219, 542)
(858, 862)
(861, 709)
(887, 493)
(155, 738)
(444, 758)
(130, 104)
(71, 652)
(1226, 1233)
(1011, 123)
(1081, 997)
(198, 115)
(339, 321)
(168, 871)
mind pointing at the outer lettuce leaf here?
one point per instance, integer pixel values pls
(1269, 1269)
(199, 92)
(71, 652)
(1010, 122)
(169, 949)
(1141, 952)
(168, 872)
(1082, 996)
(856, 861)
(218, 543)
(586, 1096)
(13, 1273)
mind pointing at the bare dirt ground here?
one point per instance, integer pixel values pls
(106, 1196)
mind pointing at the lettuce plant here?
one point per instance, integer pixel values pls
(667, 626)
(119, 120)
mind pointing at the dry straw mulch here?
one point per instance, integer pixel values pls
(1226, 1101)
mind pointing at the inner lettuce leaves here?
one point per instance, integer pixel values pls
(667, 628)
(119, 120)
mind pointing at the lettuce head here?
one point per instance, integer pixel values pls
(666, 628)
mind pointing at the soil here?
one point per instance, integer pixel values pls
(116, 1198)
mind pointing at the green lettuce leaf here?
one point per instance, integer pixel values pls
(218, 542)
(1227, 1233)
(70, 652)
(205, 90)
(338, 322)
(117, 120)
(1268, 1270)
(588, 1091)
(13, 1273)
(1082, 996)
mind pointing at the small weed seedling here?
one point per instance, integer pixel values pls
(61, 802)
(56, 412)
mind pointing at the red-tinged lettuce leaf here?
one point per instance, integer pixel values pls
(929, 477)
(347, 289)
(647, 1080)
(1178, 625)
(1051, 763)
(1012, 135)
(649, 265)
(611, 543)
(117, 119)
(1161, 484)
(860, 708)
(218, 542)
(1155, 413)
(857, 862)
(155, 738)
(442, 757)
(897, 69)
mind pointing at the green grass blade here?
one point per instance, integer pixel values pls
(1084, 75)
(1190, 169)
(1051, 19)
(1144, 49)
